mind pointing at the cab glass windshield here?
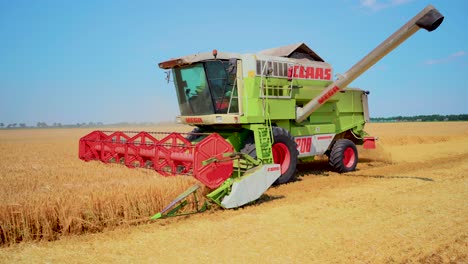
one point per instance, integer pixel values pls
(206, 88)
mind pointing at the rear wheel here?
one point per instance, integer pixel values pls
(284, 153)
(343, 156)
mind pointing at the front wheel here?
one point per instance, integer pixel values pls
(193, 135)
(343, 156)
(285, 154)
(284, 150)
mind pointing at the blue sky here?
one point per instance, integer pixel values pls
(82, 61)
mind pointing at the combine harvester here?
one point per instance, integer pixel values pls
(256, 117)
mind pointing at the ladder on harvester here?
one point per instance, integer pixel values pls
(264, 134)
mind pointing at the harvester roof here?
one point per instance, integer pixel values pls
(295, 51)
(298, 52)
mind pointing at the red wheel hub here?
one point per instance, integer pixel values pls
(281, 156)
(349, 157)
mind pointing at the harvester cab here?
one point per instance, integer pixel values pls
(255, 117)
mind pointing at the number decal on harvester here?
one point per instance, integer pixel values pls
(313, 145)
(304, 144)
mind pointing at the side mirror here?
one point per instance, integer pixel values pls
(232, 68)
(168, 76)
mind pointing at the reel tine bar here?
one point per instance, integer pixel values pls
(171, 155)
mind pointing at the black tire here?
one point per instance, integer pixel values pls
(284, 147)
(343, 156)
(192, 137)
(249, 147)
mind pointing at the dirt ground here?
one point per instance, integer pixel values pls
(406, 203)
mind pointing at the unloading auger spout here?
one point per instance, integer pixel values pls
(429, 18)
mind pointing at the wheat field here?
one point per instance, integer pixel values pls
(405, 203)
(47, 192)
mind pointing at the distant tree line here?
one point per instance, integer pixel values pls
(13, 125)
(55, 124)
(421, 118)
(418, 118)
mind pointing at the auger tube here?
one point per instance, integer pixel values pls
(429, 18)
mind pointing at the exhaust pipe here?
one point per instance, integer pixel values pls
(429, 19)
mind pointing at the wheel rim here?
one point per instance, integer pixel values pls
(281, 156)
(349, 157)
